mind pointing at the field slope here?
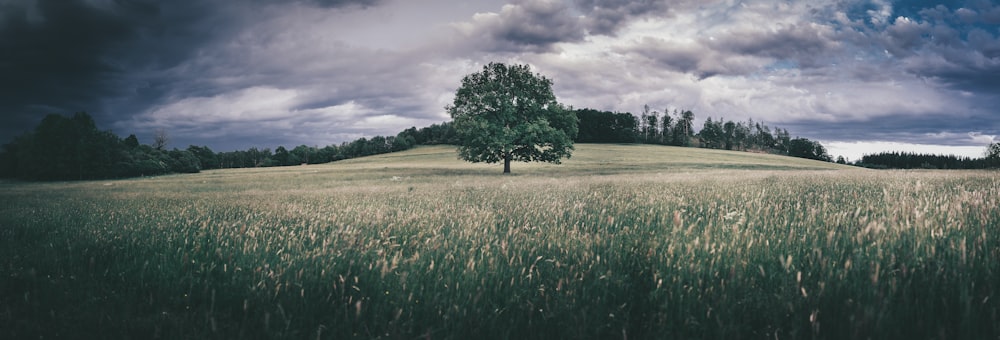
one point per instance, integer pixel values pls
(591, 159)
(620, 241)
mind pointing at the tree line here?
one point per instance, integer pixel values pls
(73, 148)
(677, 128)
(442, 133)
(907, 160)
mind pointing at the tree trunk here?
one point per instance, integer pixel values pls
(506, 163)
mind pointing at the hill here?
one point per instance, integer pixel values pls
(431, 164)
(596, 159)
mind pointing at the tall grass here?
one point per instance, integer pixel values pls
(404, 252)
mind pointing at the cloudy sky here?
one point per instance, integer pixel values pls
(859, 75)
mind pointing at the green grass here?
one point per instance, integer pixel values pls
(619, 241)
(590, 159)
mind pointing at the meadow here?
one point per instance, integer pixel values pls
(620, 241)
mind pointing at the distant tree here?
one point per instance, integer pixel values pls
(644, 124)
(506, 113)
(131, 141)
(650, 125)
(592, 126)
(712, 134)
(729, 135)
(665, 125)
(379, 145)
(231, 159)
(750, 140)
(359, 148)
(183, 161)
(303, 154)
(804, 148)
(160, 139)
(402, 142)
(763, 138)
(993, 155)
(257, 157)
(326, 154)
(144, 161)
(207, 159)
(683, 129)
(443, 133)
(605, 127)
(741, 138)
(409, 132)
(282, 157)
(782, 140)
(624, 128)
(653, 120)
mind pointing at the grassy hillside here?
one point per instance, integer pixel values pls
(590, 159)
(621, 241)
(436, 163)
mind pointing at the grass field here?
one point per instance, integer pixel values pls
(621, 241)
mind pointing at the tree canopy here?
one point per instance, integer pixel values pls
(605, 127)
(804, 148)
(507, 113)
(993, 154)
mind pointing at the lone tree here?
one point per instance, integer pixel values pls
(506, 113)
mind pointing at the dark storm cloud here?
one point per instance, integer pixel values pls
(537, 25)
(54, 56)
(61, 56)
(902, 127)
(951, 45)
(807, 45)
(335, 3)
(525, 26)
(110, 58)
(286, 79)
(741, 52)
(686, 59)
(606, 17)
(695, 58)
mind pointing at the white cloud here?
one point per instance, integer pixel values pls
(881, 15)
(746, 71)
(255, 103)
(813, 65)
(979, 138)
